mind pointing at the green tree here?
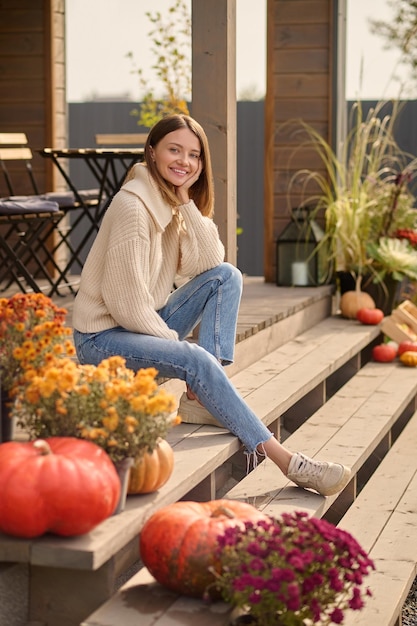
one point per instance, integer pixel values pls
(171, 47)
(400, 32)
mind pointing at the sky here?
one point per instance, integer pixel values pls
(371, 68)
(98, 65)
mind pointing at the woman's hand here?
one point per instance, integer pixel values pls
(182, 190)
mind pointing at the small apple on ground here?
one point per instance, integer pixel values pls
(384, 353)
(407, 346)
(370, 316)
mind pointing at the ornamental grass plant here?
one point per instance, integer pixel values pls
(32, 332)
(363, 194)
(292, 571)
(123, 412)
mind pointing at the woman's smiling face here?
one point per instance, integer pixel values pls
(177, 156)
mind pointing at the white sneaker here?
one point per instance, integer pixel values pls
(326, 478)
(192, 412)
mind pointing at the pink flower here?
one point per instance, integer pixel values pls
(294, 567)
(337, 616)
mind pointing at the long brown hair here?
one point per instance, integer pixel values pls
(202, 191)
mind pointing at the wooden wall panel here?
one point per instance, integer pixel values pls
(214, 104)
(299, 85)
(32, 76)
(291, 11)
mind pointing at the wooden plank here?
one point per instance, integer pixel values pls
(303, 36)
(24, 20)
(143, 601)
(15, 154)
(300, 12)
(13, 139)
(399, 537)
(282, 377)
(22, 44)
(374, 506)
(390, 583)
(384, 521)
(360, 413)
(126, 139)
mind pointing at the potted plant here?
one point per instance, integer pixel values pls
(123, 412)
(32, 330)
(291, 571)
(364, 198)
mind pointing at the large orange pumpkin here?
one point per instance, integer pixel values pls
(60, 485)
(152, 470)
(178, 542)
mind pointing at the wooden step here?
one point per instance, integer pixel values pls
(357, 426)
(383, 519)
(92, 564)
(13, 578)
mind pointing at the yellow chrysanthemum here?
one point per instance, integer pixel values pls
(111, 422)
(139, 403)
(60, 407)
(121, 411)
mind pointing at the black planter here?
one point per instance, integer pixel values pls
(385, 295)
(6, 422)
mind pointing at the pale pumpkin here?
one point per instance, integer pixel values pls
(352, 301)
(152, 470)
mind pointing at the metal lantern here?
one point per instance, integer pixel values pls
(299, 262)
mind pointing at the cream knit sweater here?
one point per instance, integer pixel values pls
(141, 245)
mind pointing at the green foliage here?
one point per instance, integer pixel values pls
(171, 45)
(400, 32)
(363, 195)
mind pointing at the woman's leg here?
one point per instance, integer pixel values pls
(183, 360)
(208, 381)
(211, 299)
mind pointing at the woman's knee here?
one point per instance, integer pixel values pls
(232, 274)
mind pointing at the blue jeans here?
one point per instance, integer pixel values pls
(212, 300)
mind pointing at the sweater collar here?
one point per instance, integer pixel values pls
(143, 186)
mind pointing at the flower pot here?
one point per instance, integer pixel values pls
(6, 422)
(152, 470)
(384, 294)
(123, 468)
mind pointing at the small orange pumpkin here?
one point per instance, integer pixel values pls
(409, 358)
(152, 470)
(352, 301)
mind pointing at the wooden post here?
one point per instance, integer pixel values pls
(214, 103)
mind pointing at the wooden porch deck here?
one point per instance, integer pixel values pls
(301, 368)
(263, 304)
